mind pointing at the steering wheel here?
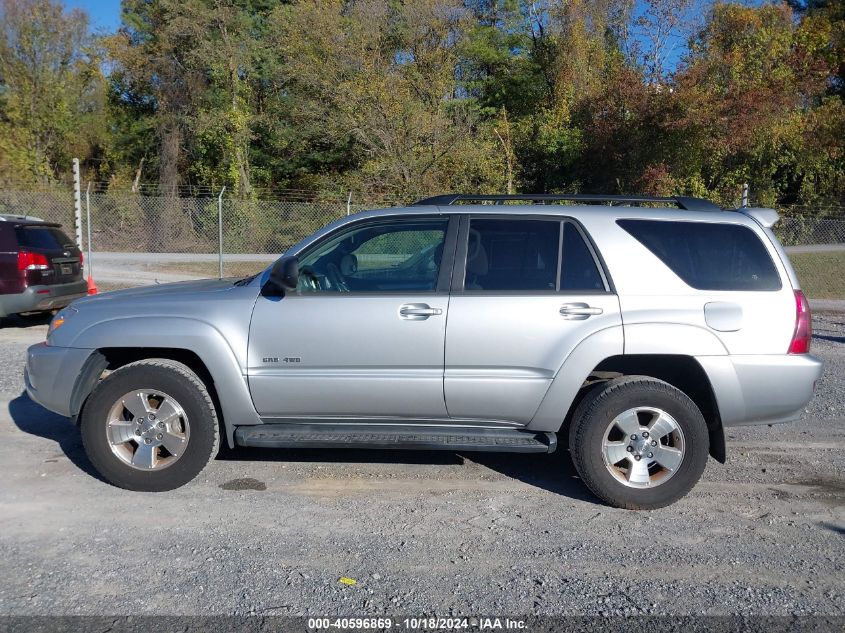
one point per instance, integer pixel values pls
(310, 281)
(335, 277)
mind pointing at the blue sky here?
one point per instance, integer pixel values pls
(105, 14)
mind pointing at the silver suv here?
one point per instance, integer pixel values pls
(629, 331)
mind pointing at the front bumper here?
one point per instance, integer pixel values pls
(762, 389)
(51, 374)
(42, 298)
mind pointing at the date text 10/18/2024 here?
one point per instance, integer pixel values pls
(419, 623)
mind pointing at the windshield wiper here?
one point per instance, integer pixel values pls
(246, 280)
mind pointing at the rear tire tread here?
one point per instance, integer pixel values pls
(610, 491)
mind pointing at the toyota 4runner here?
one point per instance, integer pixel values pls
(631, 330)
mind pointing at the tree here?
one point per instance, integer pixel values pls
(51, 90)
(382, 76)
(748, 102)
(404, 98)
(661, 27)
(151, 75)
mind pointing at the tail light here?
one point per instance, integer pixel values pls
(803, 326)
(32, 261)
(81, 258)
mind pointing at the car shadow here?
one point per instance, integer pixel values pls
(552, 472)
(836, 529)
(833, 339)
(30, 417)
(30, 320)
(338, 455)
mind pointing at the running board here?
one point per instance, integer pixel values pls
(382, 436)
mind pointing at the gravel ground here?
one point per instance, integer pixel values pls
(271, 532)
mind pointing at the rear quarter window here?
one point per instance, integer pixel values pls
(708, 256)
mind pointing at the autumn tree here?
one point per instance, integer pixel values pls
(149, 54)
(382, 76)
(401, 99)
(753, 106)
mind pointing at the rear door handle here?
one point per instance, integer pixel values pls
(418, 311)
(578, 311)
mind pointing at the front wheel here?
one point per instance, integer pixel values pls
(638, 443)
(150, 426)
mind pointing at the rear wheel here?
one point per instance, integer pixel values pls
(638, 442)
(150, 426)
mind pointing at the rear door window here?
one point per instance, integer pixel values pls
(508, 255)
(708, 255)
(43, 238)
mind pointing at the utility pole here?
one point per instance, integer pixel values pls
(77, 203)
(744, 194)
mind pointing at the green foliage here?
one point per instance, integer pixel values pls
(379, 78)
(51, 91)
(399, 100)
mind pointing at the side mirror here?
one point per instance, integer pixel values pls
(285, 274)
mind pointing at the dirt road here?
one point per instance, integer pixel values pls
(272, 531)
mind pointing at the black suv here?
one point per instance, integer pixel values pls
(40, 266)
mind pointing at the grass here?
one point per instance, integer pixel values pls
(822, 275)
(209, 269)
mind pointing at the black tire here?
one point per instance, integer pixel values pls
(601, 406)
(174, 379)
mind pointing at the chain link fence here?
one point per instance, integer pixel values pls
(147, 239)
(816, 248)
(139, 239)
(166, 239)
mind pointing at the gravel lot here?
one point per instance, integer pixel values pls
(271, 532)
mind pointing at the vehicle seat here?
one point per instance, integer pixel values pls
(438, 255)
(348, 265)
(477, 263)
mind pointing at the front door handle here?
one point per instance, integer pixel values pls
(578, 311)
(418, 311)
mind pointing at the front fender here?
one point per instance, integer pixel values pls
(179, 333)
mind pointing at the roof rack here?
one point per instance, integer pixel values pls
(682, 202)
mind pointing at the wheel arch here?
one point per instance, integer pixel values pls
(196, 344)
(683, 372)
(601, 359)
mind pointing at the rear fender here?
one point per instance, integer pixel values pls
(571, 376)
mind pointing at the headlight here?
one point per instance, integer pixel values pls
(60, 319)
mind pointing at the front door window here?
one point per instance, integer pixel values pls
(397, 257)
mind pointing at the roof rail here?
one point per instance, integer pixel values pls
(682, 202)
